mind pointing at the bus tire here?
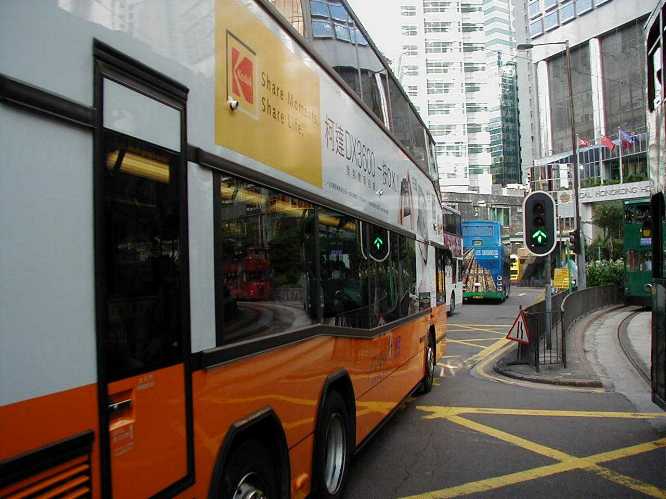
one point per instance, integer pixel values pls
(250, 470)
(333, 448)
(452, 308)
(429, 376)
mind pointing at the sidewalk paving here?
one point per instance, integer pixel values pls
(591, 334)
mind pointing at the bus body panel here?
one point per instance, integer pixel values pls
(289, 380)
(45, 420)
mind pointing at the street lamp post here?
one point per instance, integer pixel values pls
(582, 277)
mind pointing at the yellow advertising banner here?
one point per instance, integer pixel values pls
(561, 278)
(266, 97)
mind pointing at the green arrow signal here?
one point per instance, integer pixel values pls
(540, 236)
(379, 242)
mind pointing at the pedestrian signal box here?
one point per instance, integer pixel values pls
(539, 225)
(375, 239)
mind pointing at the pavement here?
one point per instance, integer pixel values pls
(599, 346)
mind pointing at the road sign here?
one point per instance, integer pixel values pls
(519, 331)
(561, 280)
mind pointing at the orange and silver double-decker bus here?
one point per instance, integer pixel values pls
(221, 229)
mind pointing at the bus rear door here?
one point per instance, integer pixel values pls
(142, 293)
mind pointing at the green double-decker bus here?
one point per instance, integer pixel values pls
(638, 231)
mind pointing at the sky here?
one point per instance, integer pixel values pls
(381, 19)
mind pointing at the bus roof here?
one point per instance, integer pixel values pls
(481, 222)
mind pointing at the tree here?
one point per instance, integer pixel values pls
(609, 217)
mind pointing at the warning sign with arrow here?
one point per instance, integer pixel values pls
(519, 331)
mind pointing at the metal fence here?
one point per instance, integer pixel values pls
(543, 348)
(551, 349)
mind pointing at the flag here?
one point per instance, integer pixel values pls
(606, 141)
(627, 139)
(582, 142)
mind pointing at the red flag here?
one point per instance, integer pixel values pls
(583, 142)
(606, 141)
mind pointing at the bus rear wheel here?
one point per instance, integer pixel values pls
(250, 474)
(429, 377)
(333, 448)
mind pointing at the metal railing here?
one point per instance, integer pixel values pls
(543, 348)
(551, 349)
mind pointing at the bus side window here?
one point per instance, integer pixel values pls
(264, 276)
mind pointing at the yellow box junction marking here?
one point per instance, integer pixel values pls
(566, 462)
(465, 342)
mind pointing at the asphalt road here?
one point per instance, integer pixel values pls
(475, 435)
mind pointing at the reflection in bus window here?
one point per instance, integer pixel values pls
(341, 265)
(292, 11)
(143, 257)
(263, 261)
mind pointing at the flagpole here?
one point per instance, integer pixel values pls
(619, 136)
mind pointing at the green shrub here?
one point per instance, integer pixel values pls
(605, 273)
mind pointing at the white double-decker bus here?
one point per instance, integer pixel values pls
(453, 258)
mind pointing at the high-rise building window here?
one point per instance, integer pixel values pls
(437, 27)
(550, 21)
(559, 98)
(410, 50)
(623, 69)
(472, 47)
(583, 6)
(474, 148)
(436, 87)
(412, 90)
(567, 12)
(471, 27)
(534, 9)
(322, 29)
(408, 29)
(472, 87)
(408, 10)
(411, 70)
(432, 6)
(466, 8)
(474, 128)
(438, 47)
(442, 130)
(536, 28)
(471, 67)
(291, 10)
(434, 67)
(476, 107)
(549, 4)
(439, 107)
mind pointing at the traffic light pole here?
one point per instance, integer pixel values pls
(549, 303)
(582, 277)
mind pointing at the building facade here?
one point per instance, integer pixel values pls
(503, 117)
(443, 68)
(608, 84)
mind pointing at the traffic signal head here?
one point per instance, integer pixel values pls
(376, 242)
(574, 241)
(539, 227)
